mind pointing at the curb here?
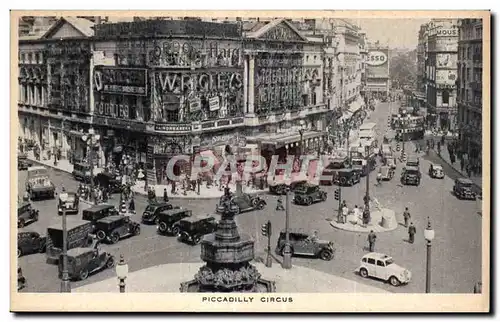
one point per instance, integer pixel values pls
(458, 171)
(49, 165)
(360, 229)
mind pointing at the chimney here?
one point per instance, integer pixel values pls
(98, 20)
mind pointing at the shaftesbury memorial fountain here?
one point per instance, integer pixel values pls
(227, 255)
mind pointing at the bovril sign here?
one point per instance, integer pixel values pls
(376, 58)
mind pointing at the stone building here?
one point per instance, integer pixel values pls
(441, 70)
(53, 103)
(470, 86)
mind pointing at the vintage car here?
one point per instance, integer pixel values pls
(387, 173)
(240, 203)
(308, 194)
(411, 176)
(22, 162)
(328, 173)
(83, 261)
(26, 214)
(463, 189)
(306, 245)
(38, 183)
(413, 161)
(346, 177)
(167, 218)
(81, 171)
(21, 280)
(152, 210)
(390, 162)
(436, 171)
(30, 242)
(71, 203)
(383, 267)
(113, 228)
(192, 229)
(109, 181)
(94, 213)
(281, 188)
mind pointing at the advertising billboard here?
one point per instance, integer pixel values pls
(117, 80)
(446, 60)
(377, 62)
(447, 44)
(446, 78)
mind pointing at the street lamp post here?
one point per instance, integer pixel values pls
(65, 287)
(121, 273)
(368, 168)
(301, 132)
(287, 251)
(429, 236)
(89, 140)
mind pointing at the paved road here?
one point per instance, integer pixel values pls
(456, 257)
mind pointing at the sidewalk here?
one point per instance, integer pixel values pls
(62, 165)
(445, 156)
(167, 279)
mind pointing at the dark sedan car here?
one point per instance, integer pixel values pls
(152, 210)
(240, 203)
(309, 194)
(463, 189)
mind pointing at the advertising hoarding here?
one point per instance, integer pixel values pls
(446, 60)
(117, 80)
(446, 77)
(377, 62)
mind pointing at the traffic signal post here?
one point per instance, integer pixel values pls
(267, 232)
(338, 196)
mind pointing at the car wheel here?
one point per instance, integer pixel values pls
(309, 201)
(111, 262)
(260, 205)
(19, 252)
(20, 223)
(101, 235)
(363, 272)
(115, 237)
(176, 230)
(197, 240)
(162, 227)
(84, 273)
(394, 281)
(326, 255)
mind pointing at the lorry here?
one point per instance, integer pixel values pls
(38, 183)
(79, 235)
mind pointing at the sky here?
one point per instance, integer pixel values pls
(397, 33)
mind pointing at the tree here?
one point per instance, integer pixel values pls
(403, 69)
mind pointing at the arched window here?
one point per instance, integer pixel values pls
(446, 97)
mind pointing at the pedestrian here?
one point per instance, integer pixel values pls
(406, 216)
(279, 204)
(366, 216)
(462, 164)
(371, 241)
(411, 233)
(379, 177)
(26, 196)
(165, 195)
(131, 206)
(154, 193)
(150, 195)
(345, 212)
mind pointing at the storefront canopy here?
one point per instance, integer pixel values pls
(283, 139)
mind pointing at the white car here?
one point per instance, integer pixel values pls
(436, 171)
(383, 267)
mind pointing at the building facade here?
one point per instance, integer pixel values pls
(470, 85)
(377, 71)
(441, 70)
(421, 58)
(54, 86)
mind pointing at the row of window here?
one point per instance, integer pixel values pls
(31, 57)
(468, 52)
(470, 74)
(468, 95)
(471, 33)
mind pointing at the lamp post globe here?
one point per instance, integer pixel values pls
(122, 273)
(429, 236)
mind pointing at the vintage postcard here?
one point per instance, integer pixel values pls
(250, 161)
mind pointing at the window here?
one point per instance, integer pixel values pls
(23, 57)
(371, 261)
(479, 32)
(364, 260)
(446, 97)
(380, 263)
(467, 75)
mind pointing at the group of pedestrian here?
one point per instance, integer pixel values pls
(372, 237)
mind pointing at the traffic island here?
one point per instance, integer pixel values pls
(382, 220)
(166, 279)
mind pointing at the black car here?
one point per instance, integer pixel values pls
(83, 261)
(240, 203)
(167, 218)
(22, 162)
(411, 176)
(26, 214)
(308, 194)
(30, 242)
(346, 177)
(413, 161)
(192, 229)
(329, 172)
(281, 188)
(152, 210)
(463, 189)
(81, 171)
(113, 228)
(306, 245)
(98, 212)
(109, 181)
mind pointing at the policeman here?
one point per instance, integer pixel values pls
(411, 233)
(279, 204)
(406, 216)
(371, 240)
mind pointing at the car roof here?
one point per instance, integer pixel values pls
(75, 252)
(26, 231)
(438, 166)
(463, 180)
(23, 204)
(296, 231)
(158, 204)
(411, 167)
(173, 211)
(346, 170)
(412, 158)
(34, 168)
(198, 217)
(98, 207)
(71, 223)
(110, 219)
(375, 255)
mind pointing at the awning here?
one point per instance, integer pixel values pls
(288, 138)
(354, 107)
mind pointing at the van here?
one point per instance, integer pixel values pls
(97, 212)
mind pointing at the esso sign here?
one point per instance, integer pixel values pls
(376, 58)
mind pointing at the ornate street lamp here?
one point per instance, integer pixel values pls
(122, 273)
(429, 236)
(301, 132)
(287, 251)
(65, 287)
(91, 140)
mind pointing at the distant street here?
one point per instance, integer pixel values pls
(456, 250)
